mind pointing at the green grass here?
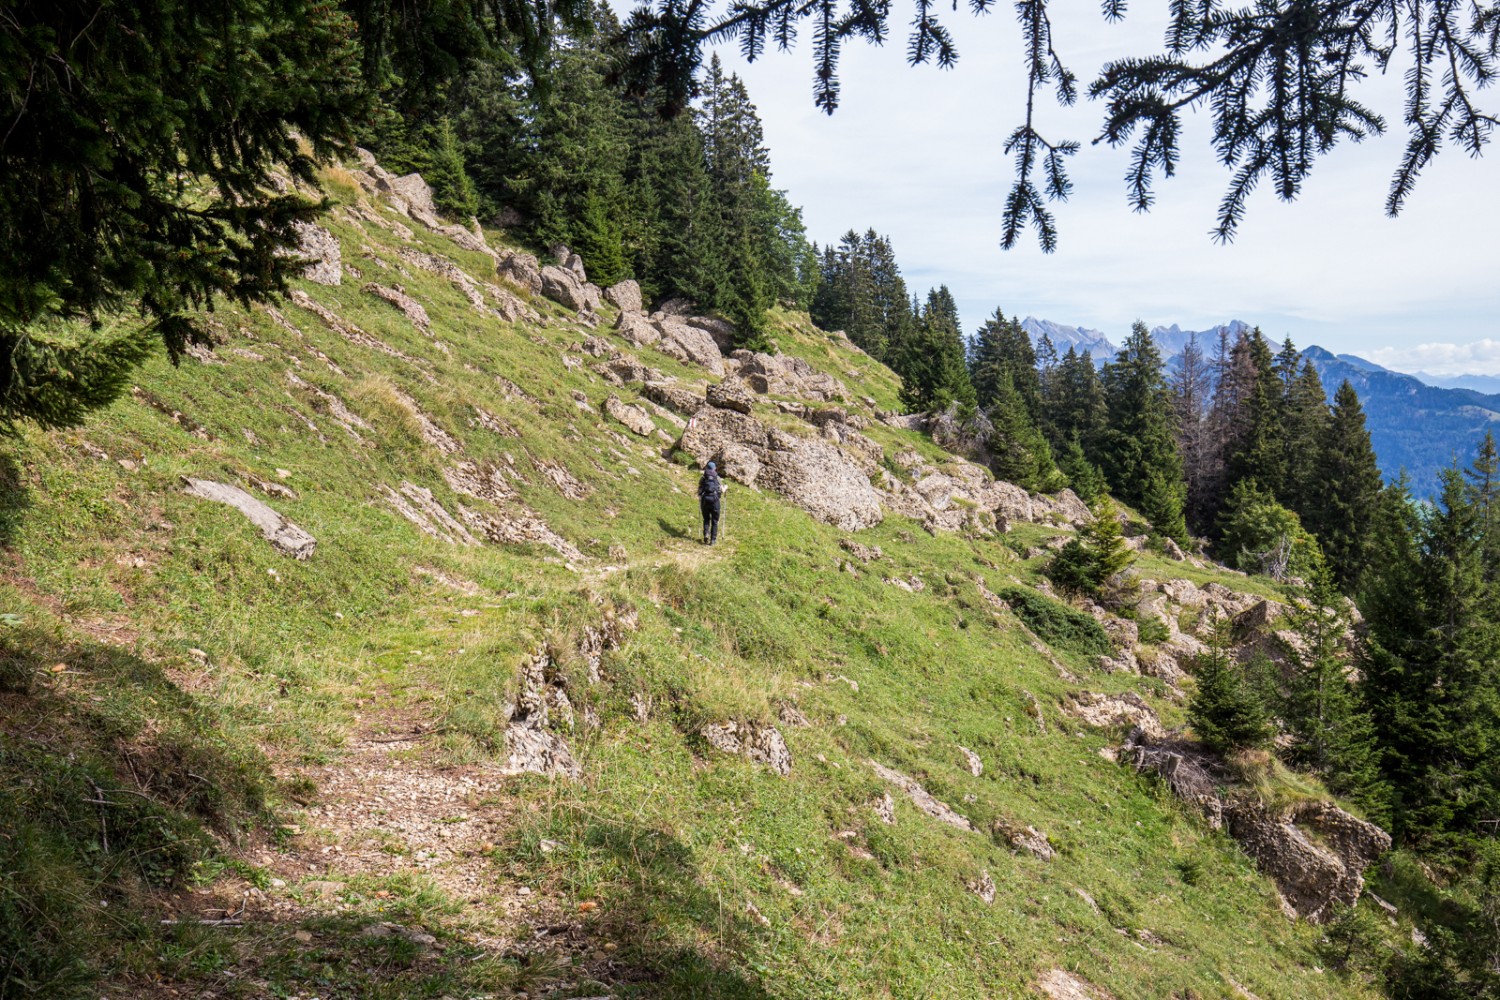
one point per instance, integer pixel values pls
(116, 573)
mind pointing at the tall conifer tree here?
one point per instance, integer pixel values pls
(1140, 456)
(1343, 503)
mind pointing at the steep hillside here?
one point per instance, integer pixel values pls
(1416, 428)
(465, 708)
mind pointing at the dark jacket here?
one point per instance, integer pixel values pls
(709, 487)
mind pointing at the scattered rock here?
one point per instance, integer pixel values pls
(791, 715)
(1024, 838)
(532, 746)
(282, 534)
(885, 808)
(864, 553)
(689, 344)
(761, 743)
(564, 287)
(1060, 985)
(1315, 852)
(417, 937)
(1128, 709)
(633, 417)
(673, 396)
(520, 269)
(344, 328)
(922, 798)
(420, 507)
(409, 307)
(972, 761)
(983, 887)
(637, 329)
(431, 432)
(807, 471)
(780, 375)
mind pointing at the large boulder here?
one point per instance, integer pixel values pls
(417, 195)
(779, 375)
(520, 269)
(731, 394)
(564, 287)
(637, 329)
(637, 419)
(624, 295)
(721, 330)
(283, 535)
(816, 476)
(689, 344)
(675, 397)
(759, 742)
(712, 429)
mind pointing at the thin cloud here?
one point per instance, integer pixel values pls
(1482, 357)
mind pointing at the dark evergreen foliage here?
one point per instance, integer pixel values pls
(1057, 623)
(135, 174)
(1342, 494)
(1095, 557)
(1139, 449)
(1430, 673)
(1224, 711)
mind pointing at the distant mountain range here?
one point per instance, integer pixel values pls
(1415, 424)
(1171, 338)
(1487, 384)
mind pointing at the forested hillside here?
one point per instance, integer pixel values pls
(359, 634)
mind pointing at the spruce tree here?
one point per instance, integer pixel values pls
(1484, 496)
(1307, 424)
(1224, 711)
(1430, 674)
(1345, 495)
(930, 360)
(1260, 452)
(136, 167)
(1017, 451)
(1094, 558)
(1191, 385)
(1139, 455)
(1084, 477)
(1074, 408)
(1323, 710)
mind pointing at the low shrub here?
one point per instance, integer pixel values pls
(1056, 623)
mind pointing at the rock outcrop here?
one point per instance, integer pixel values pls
(810, 472)
(637, 419)
(1315, 852)
(689, 344)
(520, 269)
(921, 798)
(321, 248)
(283, 535)
(730, 394)
(780, 375)
(532, 746)
(761, 743)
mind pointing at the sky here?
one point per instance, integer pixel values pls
(916, 153)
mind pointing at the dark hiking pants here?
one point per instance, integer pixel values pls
(710, 519)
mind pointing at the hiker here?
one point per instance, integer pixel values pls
(710, 490)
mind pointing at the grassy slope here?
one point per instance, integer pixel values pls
(118, 575)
